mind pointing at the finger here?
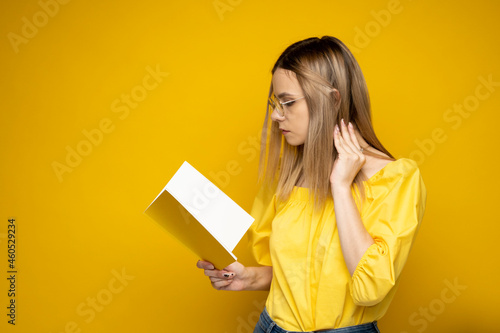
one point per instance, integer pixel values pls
(219, 274)
(232, 266)
(346, 136)
(204, 264)
(221, 284)
(353, 134)
(352, 142)
(212, 272)
(216, 279)
(226, 275)
(338, 141)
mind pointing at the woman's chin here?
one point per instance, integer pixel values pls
(293, 142)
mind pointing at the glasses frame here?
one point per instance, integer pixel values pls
(280, 106)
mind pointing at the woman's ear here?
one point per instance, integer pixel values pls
(336, 95)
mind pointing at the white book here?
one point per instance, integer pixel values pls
(200, 216)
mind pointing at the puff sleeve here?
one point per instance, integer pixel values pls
(263, 211)
(393, 221)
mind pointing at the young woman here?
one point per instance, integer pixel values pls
(336, 214)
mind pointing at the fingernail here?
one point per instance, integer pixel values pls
(211, 267)
(350, 125)
(337, 127)
(343, 121)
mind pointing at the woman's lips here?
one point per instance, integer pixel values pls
(284, 131)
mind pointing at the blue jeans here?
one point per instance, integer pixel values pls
(267, 325)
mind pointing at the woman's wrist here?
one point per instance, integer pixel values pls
(340, 186)
(250, 278)
(258, 278)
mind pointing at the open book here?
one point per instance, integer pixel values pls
(200, 216)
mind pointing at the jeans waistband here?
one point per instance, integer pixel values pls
(271, 326)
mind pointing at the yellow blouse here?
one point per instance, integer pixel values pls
(311, 287)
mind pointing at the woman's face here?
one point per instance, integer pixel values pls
(295, 123)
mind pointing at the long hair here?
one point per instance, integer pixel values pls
(320, 65)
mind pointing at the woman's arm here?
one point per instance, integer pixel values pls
(354, 239)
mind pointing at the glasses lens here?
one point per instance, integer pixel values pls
(276, 105)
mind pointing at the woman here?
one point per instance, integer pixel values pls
(336, 214)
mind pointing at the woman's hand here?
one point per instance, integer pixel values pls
(350, 158)
(233, 277)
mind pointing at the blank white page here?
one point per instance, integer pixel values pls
(218, 213)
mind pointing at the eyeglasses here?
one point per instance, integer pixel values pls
(280, 107)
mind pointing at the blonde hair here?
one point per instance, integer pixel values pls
(321, 65)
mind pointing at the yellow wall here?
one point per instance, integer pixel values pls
(67, 69)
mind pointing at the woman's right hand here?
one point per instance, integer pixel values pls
(233, 277)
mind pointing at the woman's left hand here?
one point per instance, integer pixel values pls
(350, 159)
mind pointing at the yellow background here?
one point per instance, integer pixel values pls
(77, 231)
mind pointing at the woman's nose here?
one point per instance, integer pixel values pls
(275, 116)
